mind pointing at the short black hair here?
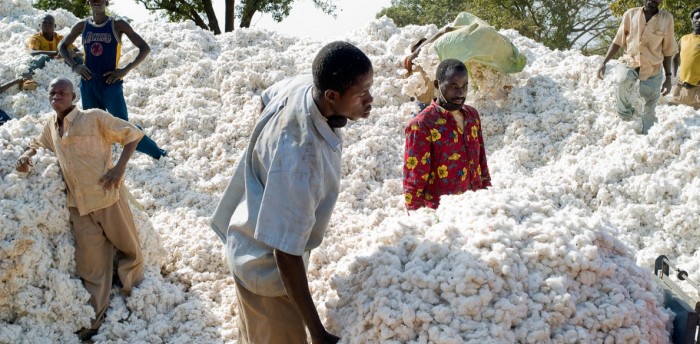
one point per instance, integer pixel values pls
(338, 66)
(696, 10)
(447, 66)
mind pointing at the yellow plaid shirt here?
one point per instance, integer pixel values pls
(39, 42)
(85, 154)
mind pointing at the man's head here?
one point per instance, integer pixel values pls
(48, 24)
(451, 81)
(652, 5)
(98, 6)
(343, 76)
(61, 95)
(695, 20)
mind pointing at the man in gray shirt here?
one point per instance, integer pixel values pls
(278, 204)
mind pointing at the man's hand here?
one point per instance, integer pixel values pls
(327, 338)
(115, 75)
(83, 71)
(601, 71)
(23, 164)
(112, 178)
(666, 88)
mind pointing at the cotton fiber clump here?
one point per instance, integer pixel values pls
(559, 250)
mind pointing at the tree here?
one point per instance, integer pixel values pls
(181, 10)
(423, 12)
(78, 7)
(278, 8)
(558, 24)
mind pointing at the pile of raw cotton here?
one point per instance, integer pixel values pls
(558, 250)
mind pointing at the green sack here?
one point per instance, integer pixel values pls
(474, 40)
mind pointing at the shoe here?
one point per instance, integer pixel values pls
(28, 85)
(86, 334)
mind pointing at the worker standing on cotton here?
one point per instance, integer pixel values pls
(100, 216)
(278, 204)
(687, 90)
(444, 152)
(101, 84)
(646, 33)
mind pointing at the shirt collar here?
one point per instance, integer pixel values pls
(69, 118)
(441, 110)
(321, 123)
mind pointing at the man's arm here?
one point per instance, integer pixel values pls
(293, 275)
(416, 166)
(9, 84)
(408, 60)
(668, 68)
(122, 26)
(49, 53)
(113, 177)
(63, 49)
(24, 162)
(614, 48)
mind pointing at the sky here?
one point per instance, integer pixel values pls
(305, 20)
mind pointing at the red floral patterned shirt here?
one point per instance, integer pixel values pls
(442, 159)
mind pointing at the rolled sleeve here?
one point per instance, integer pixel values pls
(287, 212)
(624, 29)
(117, 130)
(669, 46)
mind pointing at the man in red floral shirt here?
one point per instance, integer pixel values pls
(445, 152)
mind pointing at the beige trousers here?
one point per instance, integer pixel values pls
(97, 235)
(268, 320)
(686, 96)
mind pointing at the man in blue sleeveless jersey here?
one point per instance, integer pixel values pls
(101, 84)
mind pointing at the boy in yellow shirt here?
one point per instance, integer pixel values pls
(687, 89)
(43, 46)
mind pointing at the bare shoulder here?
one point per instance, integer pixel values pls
(121, 25)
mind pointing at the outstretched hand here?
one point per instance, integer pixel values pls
(112, 178)
(115, 75)
(601, 71)
(23, 164)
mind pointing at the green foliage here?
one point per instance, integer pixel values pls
(558, 24)
(680, 9)
(279, 9)
(423, 12)
(78, 7)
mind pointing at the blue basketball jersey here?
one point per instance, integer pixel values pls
(102, 47)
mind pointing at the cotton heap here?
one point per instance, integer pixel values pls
(558, 250)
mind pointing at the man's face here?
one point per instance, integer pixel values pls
(48, 25)
(356, 101)
(97, 6)
(454, 87)
(696, 21)
(61, 96)
(652, 5)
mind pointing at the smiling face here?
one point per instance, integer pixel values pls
(695, 20)
(356, 101)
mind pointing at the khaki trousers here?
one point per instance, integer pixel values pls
(686, 96)
(268, 320)
(97, 235)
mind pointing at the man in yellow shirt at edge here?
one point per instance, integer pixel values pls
(687, 89)
(646, 33)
